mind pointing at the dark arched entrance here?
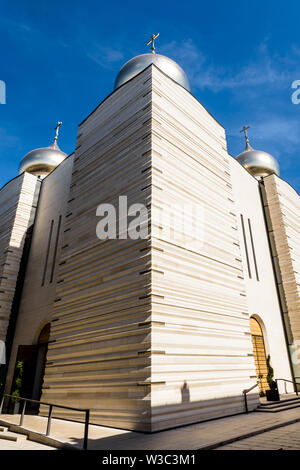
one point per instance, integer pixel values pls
(32, 360)
(42, 348)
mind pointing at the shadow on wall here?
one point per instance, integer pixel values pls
(185, 393)
(18, 253)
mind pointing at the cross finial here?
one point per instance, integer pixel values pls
(246, 135)
(57, 129)
(152, 39)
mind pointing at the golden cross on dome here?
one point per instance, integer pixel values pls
(152, 39)
(57, 129)
(245, 132)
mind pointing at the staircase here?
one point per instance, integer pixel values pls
(287, 402)
(11, 436)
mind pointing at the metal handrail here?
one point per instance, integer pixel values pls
(51, 406)
(245, 395)
(290, 381)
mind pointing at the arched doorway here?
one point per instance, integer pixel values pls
(42, 348)
(32, 359)
(260, 357)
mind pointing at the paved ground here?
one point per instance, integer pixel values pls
(190, 437)
(23, 445)
(286, 438)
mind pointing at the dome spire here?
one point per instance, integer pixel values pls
(137, 64)
(248, 146)
(257, 162)
(43, 160)
(59, 123)
(152, 39)
(54, 143)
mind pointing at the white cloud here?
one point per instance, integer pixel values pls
(193, 62)
(266, 70)
(11, 24)
(105, 56)
(8, 141)
(282, 130)
(278, 135)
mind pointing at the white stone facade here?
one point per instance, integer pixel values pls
(153, 333)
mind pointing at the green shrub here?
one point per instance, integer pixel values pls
(18, 382)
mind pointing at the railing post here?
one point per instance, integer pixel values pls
(49, 420)
(86, 429)
(23, 413)
(51, 406)
(2, 402)
(296, 389)
(246, 403)
(276, 380)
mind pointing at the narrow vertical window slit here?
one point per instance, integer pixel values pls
(55, 249)
(47, 253)
(245, 244)
(253, 249)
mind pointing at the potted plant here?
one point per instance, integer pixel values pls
(16, 393)
(261, 393)
(272, 394)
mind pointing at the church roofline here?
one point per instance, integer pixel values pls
(166, 75)
(239, 163)
(51, 172)
(38, 179)
(289, 184)
(15, 177)
(265, 177)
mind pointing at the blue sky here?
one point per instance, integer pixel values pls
(59, 59)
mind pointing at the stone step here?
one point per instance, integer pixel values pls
(279, 403)
(277, 409)
(2, 429)
(12, 436)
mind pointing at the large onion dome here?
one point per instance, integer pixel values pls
(140, 62)
(41, 161)
(258, 162)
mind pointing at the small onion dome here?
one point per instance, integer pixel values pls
(40, 162)
(140, 62)
(258, 162)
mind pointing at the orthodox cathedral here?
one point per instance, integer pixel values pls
(149, 333)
